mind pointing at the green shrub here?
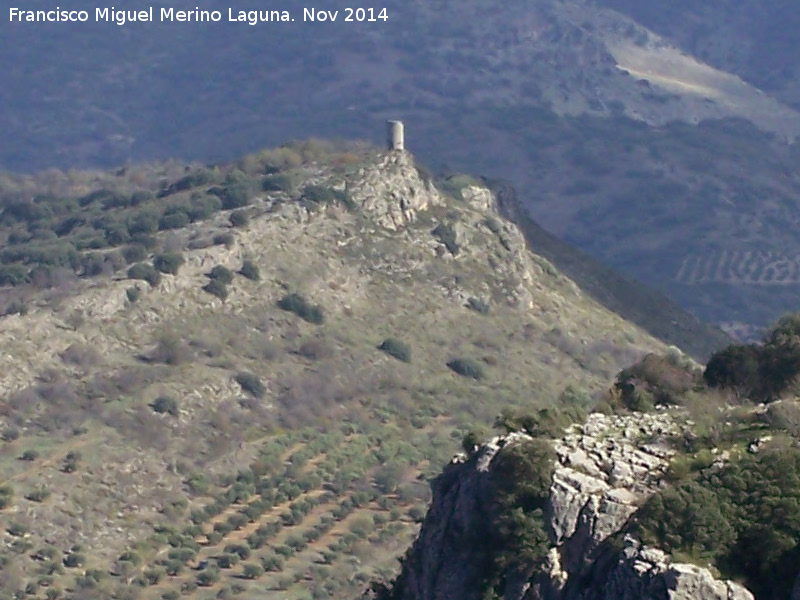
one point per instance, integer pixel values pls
(297, 304)
(196, 178)
(239, 218)
(521, 475)
(224, 239)
(30, 455)
(251, 383)
(145, 272)
(170, 348)
(13, 275)
(143, 222)
(278, 183)
(208, 577)
(52, 593)
(39, 494)
(252, 571)
(10, 434)
(174, 220)
(394, 347)
(6, 495)
(166, 404)
(656, 380)
(134, 253)
(168, 262)
(478, 305)
(467, 367)
(70, 464)
(227, 561)
(240, 550)
(234, 195)
(319, 194)
(545, 422)
(216, 288)
(272, 563)
(17, 529)
(154, 575)
(203, 206)
(744, 519)
(74, 560)
(133, 294)
(221, 274)
(237, 521)
(472, 440)
(760, 372)
(250, 270)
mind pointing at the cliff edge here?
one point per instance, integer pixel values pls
(602, 471)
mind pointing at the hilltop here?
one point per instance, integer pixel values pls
(235, 378)
(642, 135)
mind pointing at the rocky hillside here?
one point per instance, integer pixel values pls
(236, 378)
(604, 470)
(685, 486)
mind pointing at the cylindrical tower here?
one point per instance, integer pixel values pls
(396, 135)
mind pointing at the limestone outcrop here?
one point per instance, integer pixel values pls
(392, 191)
(605, 469)
(644, 573)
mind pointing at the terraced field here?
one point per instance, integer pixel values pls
(741, 267)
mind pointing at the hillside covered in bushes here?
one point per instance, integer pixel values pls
(236, 379)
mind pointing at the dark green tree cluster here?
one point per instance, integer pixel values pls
(658, 379)
(521, 476)
(219, 279)
(47, 232)
(760, 372)
(744, 519)
(145, 271)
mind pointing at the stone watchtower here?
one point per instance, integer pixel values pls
(396, 135)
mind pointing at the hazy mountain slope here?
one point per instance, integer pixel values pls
(145, 432)
(207, 91)
(759, 41)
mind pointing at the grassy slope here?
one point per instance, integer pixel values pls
(338, 416)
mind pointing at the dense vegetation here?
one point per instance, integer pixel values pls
(744, 519)
(761, 372)
(521, 475)
(53, 230)
(738, 511)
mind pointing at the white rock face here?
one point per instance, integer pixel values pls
(647, 574)
(479, 198)
(605, 472)
(392, 191)
(606, 469)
